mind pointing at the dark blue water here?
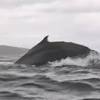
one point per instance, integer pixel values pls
(68, 79)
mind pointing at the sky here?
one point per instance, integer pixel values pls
(24, 23)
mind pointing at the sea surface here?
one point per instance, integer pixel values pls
(67, 79)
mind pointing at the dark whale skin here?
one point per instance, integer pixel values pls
(50, 51)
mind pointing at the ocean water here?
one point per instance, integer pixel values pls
(68, 79)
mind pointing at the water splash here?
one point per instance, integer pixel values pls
(92, 58)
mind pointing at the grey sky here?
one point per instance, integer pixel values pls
(24, 23)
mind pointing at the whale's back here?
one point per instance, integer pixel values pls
(50, 51)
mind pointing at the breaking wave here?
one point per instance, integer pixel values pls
(92, 58)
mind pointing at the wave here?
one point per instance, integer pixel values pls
(22, 82)
(49, 84)
(63, 86)
(92, 58)
(92, 80)
(12, 78)
(8, 94)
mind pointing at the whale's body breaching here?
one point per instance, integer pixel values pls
(45, 52)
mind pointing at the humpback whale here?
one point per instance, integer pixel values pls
(46, 51)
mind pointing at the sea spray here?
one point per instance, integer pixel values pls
(92, 58)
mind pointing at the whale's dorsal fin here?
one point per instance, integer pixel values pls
(45, 40)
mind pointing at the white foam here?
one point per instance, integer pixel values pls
(92, 58)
